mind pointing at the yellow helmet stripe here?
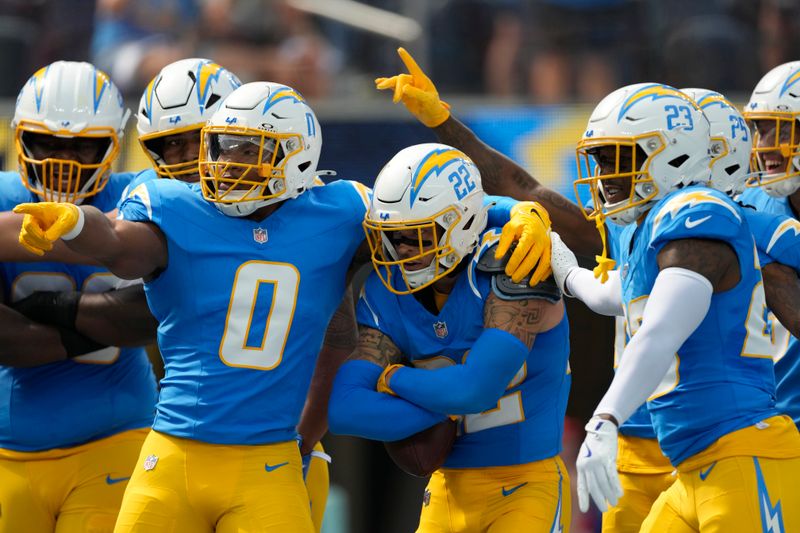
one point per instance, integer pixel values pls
(653, 91)
(435, 161)
(790, 81)
(281, 94)
(37, 80)
(206, 73)
(101, 81)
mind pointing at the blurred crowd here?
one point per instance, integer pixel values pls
(543, 51)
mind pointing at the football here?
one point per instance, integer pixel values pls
(423, 453)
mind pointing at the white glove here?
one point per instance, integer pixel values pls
(597, 466)
(562, 261)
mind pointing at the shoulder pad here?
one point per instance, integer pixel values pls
(505, 289)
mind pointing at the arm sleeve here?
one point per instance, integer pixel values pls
(499, 210)
(677, 305)
(602, 298)
(471, 387)
(356, 408)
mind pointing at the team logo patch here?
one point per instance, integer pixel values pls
(440, 328)
(150, 462)
(426, 498)
(260, 235)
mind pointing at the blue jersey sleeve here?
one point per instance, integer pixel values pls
(142, 204)
(499, 209)
(697, 213)
(367, 310)
(142, 177)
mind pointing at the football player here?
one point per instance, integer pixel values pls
(75, 406)
(244, 271)
(773, 112)
(483, 348)
(687, 260)
(643, 468)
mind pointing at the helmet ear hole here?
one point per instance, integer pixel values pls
(678, 161)
(731, 170)
(303, 166)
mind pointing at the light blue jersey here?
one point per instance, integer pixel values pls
(83, 399)
(780, 238)
(528, 423)
(726, 363)
(243, 306)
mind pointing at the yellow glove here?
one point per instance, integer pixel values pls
(46, 222)
(529, 227)
(383, 380)
(417, 92)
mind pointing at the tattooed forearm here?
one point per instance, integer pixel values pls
(522, 318)
(501, 175)
(782, 289)
(714, 260)
(341, 333)
(376, 347)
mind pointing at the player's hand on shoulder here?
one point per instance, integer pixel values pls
(46, 222)
(417, 92)
(529, 228)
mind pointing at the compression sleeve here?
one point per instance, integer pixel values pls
(677, 305)
(471, 387)
(602, 298)
(356, 408)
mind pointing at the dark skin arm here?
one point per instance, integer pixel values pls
(25, 343)
(782, 289)
(502, 176)
(714, 260)
(374, 346)
(117, 318)
(340, 341)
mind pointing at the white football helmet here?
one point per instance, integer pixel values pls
(663, 134)
(260, 147)
(65, 102)
(428, 197)
(774, 110)
(731, 143)
(181, 98)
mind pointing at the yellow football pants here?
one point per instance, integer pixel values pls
(644, 473)
(737, 494)
(185, 486)
(318, 484)
(68, 490)
(503, 499)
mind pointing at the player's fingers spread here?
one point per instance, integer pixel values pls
(528, 262)
(594, 492)
(385, 83)
(507, 236)
(410, 64)
(583, 495)
(402, 81)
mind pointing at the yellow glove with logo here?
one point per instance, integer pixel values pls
(529, 227)
(383, 379)
(417, 92)
(46, 222)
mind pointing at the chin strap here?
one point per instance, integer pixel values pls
(604, 263)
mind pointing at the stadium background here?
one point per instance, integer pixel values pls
(523, 74)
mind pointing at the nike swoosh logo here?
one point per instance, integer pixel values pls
(704, 475)
(512, 490)
(693, 223)
(112, 480)
(588, 452)
(274, 467)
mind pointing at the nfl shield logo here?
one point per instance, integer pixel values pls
(260, 235)
(440, 328)
(150, 462)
